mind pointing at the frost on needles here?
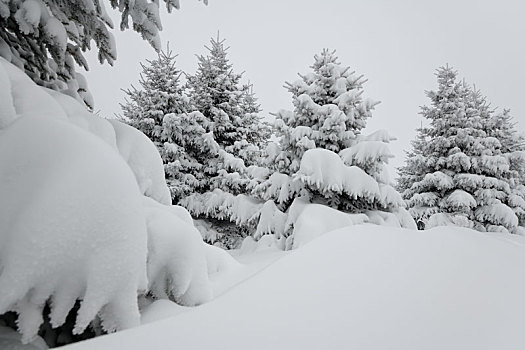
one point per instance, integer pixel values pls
(466, 167)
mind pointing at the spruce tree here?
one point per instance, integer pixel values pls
(462, 165)
(160, 110)
(232, 122)
(231, 108)
(161, 93)
(330, 114)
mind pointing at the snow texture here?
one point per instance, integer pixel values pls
(75, 224)
(75, 231)
(362, 287)
(144, 159)
(316, 220)
(175, 254)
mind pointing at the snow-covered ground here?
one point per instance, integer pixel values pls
(87, 215)
(359, 287)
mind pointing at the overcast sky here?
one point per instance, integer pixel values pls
(397, 45)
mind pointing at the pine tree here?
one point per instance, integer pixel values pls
(462, 165)
(231, 120)
(159, 109)
(161, 93)
(230, 107)
(46, 37)
(329, 113)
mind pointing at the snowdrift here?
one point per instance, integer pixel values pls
(86, 216)
(362, 287)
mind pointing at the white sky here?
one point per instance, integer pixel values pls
(397, 45)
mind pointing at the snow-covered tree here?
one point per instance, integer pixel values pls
(329, 114)
(46, 37)
(466, 163)
(161, 93)
(231, 107)
(160, 110)
(231, 122)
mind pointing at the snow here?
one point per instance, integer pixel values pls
(159, 310)
(405, 219)
(76, 224)
(324, 169)
(460, 199)
(144, 159)
(365, 152)
(316, 219)
(27, 98)
(498, 213)
(271, 220)
(280, 186)
(177, 262)
(28, 16)
(439, 179)
(7, 109)
(73, 192)
(439, 219)
(78, 115)
(361, 287)
(240, 209)
(379, 135)
(56, 32)
(11, 340)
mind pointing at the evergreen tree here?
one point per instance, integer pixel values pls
(46, 37)
(232, 123)
(193, 161)
(462, 165)
(230, 107)
(161, 93)
(329, 113)
(159, 109)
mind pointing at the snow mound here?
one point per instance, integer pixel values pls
(305, 221)
(362, 287)
(75, 224)
(218, 260)
(159, 310)
(144, 159)
(266, 242)
(80, 116)
(71, 227)
(382, 218)
(21, 96)
(316, 220)
(177, 262)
